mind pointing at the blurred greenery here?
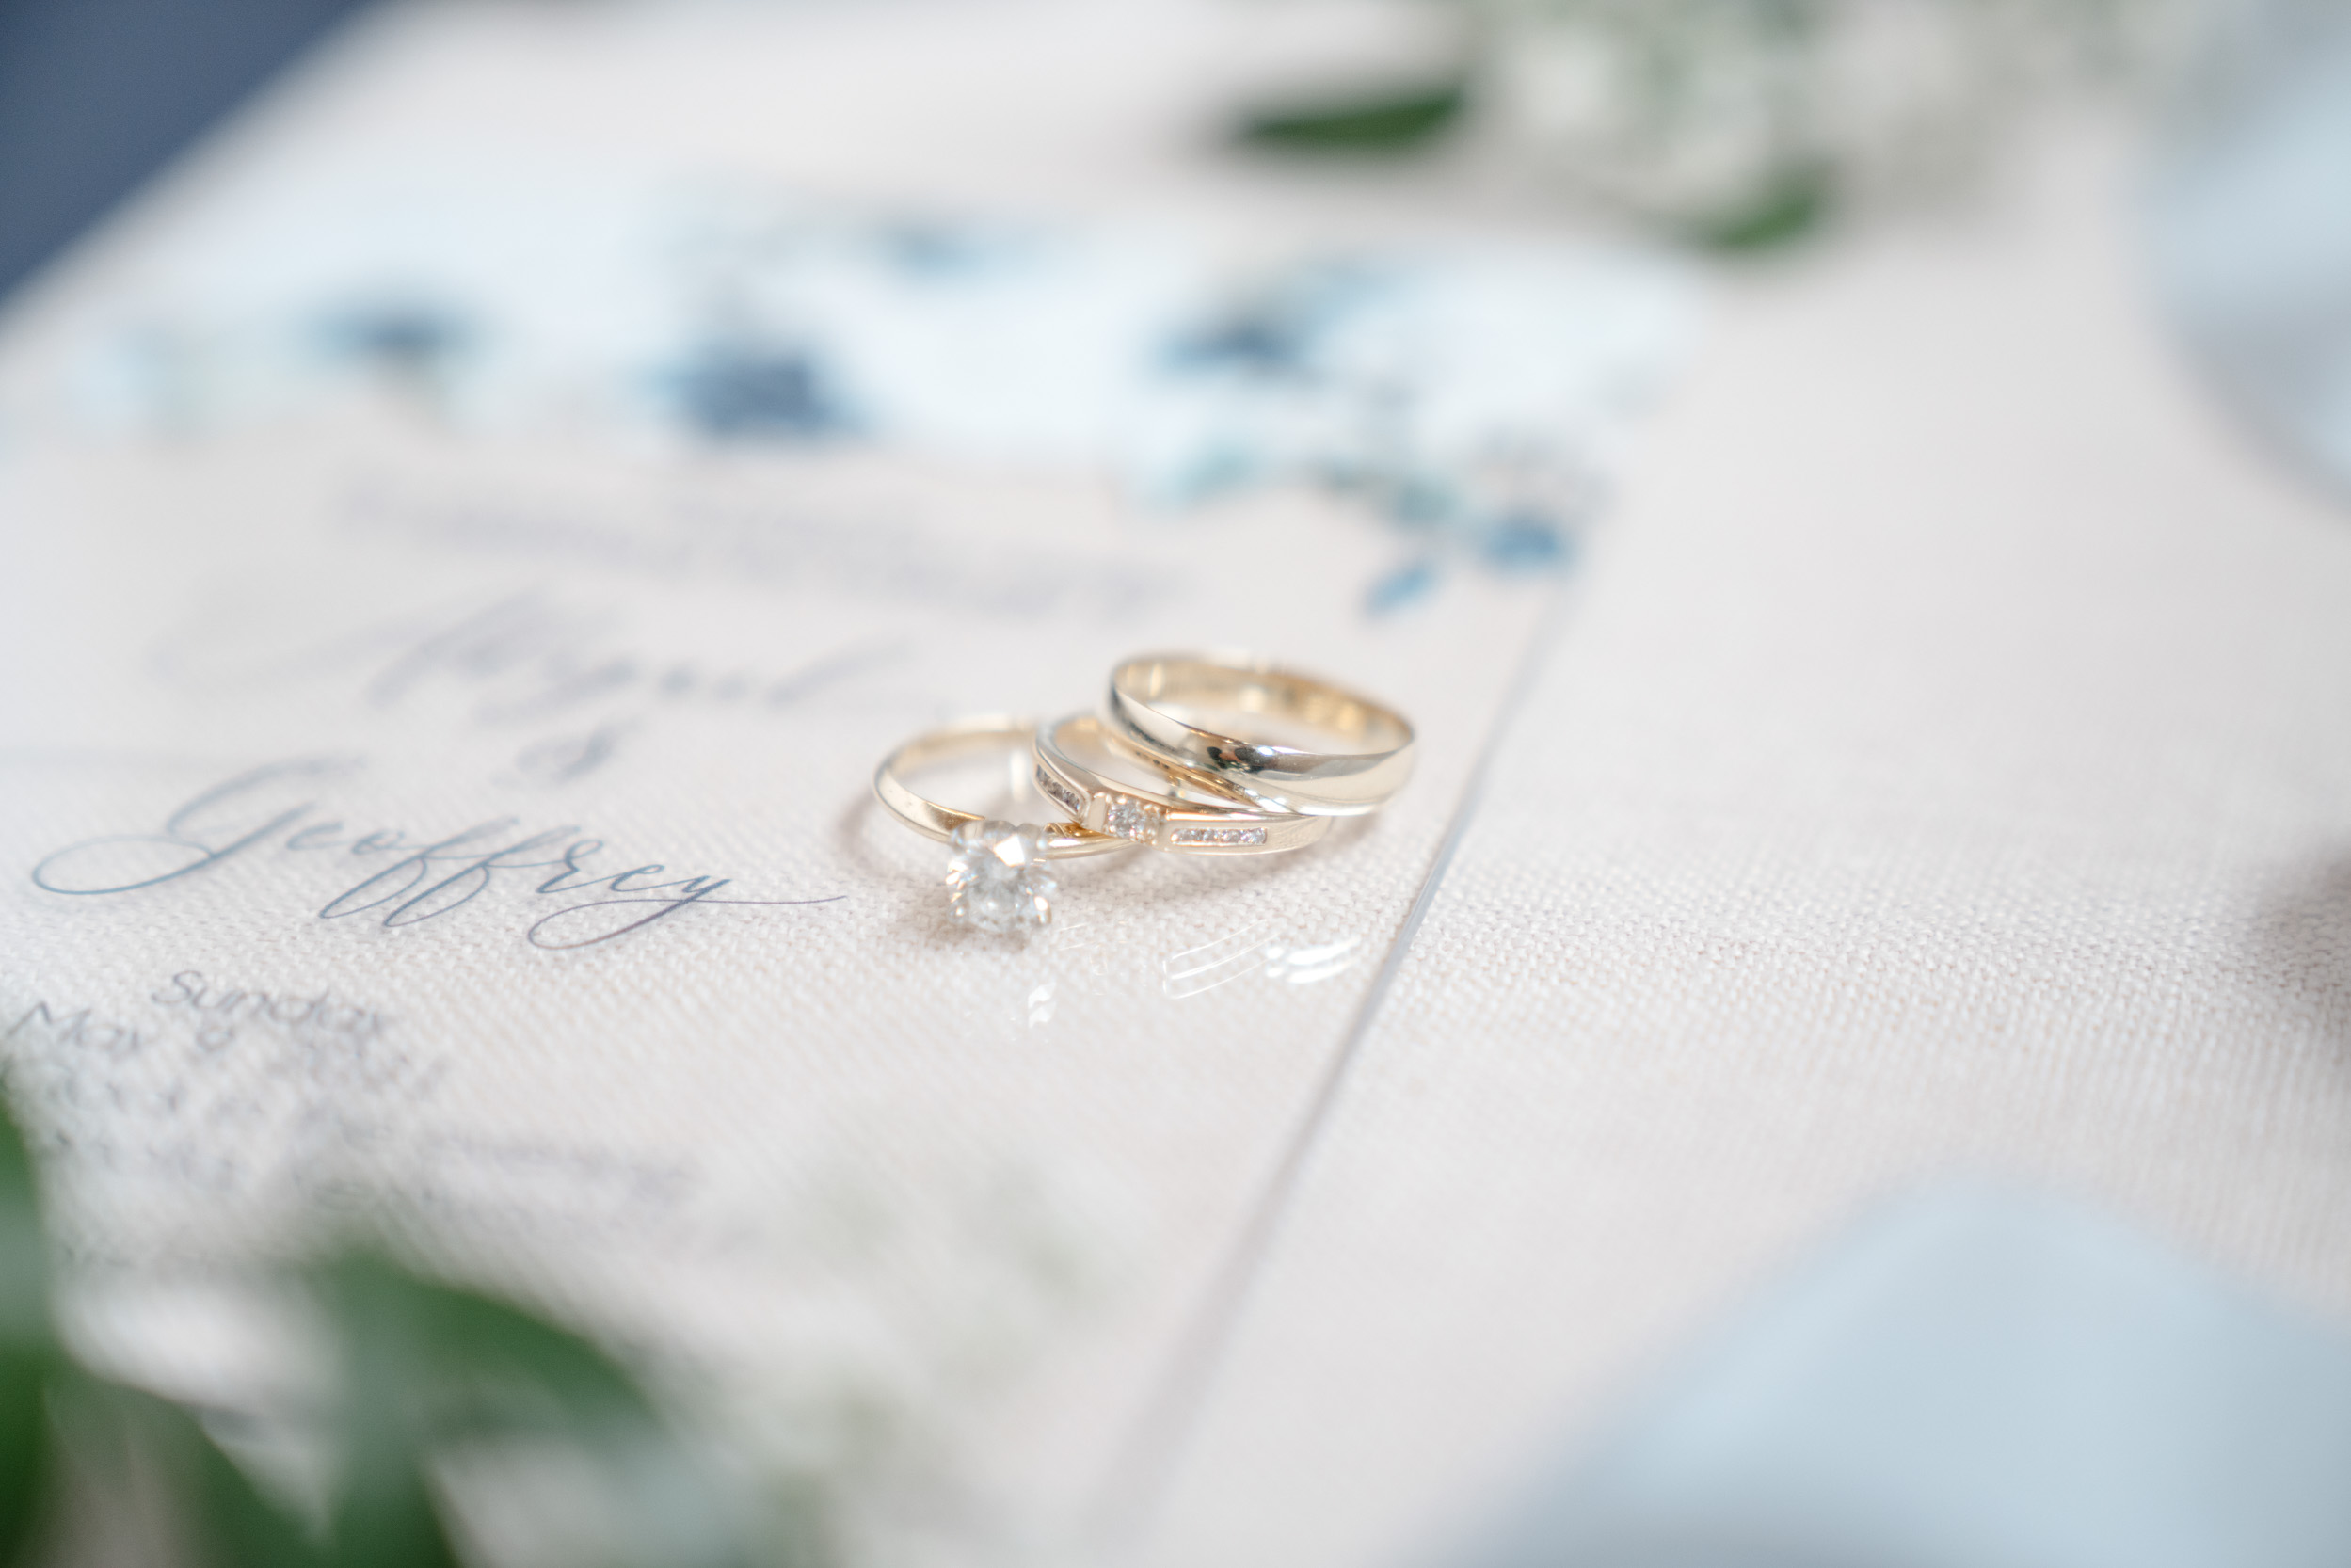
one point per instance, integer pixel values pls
(1737, 126)
(431, 1378)
(1392, 121)
(1789, 204)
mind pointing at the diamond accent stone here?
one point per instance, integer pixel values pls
(1062, 794)
(1218, 836)
(1131, 819)
(997, 879)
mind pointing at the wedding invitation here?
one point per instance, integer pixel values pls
(468, 561)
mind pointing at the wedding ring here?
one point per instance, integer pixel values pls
(1186, 707)
(1075, 761)
(955, 742)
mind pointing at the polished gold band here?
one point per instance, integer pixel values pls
(1071, 756)
(952, 742)
(1183, 708)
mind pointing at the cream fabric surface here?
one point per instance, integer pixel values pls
(1937, 767)
(1944, 772)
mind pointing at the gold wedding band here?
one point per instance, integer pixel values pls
(1076, 760)
(954, 742)
(1161, 770)
(1230, 721)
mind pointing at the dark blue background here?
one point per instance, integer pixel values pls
(96, 94)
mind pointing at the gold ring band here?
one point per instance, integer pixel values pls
(951, 742)
(1183, 708)
(1070, 756)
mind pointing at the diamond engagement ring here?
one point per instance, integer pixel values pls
(997, 879)
(1279, 740)
(1197, 754)
(1112, 786)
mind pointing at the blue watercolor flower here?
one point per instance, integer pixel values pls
(410, 336)
(734, 391)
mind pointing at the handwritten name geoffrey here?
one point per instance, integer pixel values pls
(423, 877)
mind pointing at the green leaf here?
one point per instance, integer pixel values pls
(25, 1448)
(236, 1526)
(27, 1345)
(524, 1376)
(429, 1364)
(1788, 205)
(224, 1520)
(384, 1514)
(1384, 124)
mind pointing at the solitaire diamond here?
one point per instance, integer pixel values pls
(997, 879)
(1131, 819)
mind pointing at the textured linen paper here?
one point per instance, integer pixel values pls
(470, 815)
(1945, 773)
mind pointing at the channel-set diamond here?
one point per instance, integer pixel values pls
(1062, 794)
(1218, 836)
(1131, 819)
